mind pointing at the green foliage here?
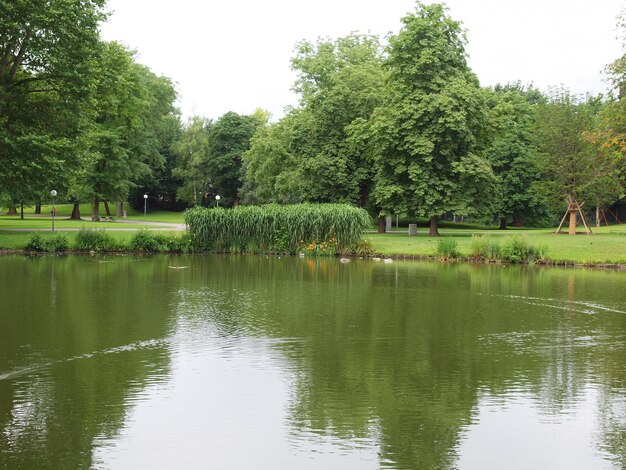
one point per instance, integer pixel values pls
(228, 139)
(58, 244)
(317, 153)
(486, 248)
(514, 249)
(145, 240)
(361, 248)
(48, 52)
(571, 165)
(447, 248)
(132, 113)
(37, 242)
(513, 153)
(274, 228)
(428, 135)
(191, 151)
(94, 240)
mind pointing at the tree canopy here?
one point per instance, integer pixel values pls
(432, 126)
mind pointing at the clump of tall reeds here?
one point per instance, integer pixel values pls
(274, 228)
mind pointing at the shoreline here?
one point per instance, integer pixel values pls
(397, 257)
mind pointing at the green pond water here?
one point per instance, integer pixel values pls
(292, 363)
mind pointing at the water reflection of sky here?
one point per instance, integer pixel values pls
(513, 432)
(225, 406)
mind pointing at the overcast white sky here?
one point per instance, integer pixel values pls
(234, 55)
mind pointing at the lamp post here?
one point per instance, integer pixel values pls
(145, 205)
(53, 213)
(217, 200)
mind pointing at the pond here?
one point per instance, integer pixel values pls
(237, 362)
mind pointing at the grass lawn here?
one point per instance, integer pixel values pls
(65, 210)
(60, 223)
(607, 245)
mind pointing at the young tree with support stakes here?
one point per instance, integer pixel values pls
(574, 172)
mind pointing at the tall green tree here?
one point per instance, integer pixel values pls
(132, 107)
(228, 139)
(311, 154)
(47, 52)
(513, 153)
(429, 133)
(192, 151)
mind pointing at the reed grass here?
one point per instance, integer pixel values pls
(274, 228)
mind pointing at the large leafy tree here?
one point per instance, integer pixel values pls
(132, 107)
(46, 71)
(312, 154)
(228, 139)
(513, 153)
(429, 132)
(48, 43)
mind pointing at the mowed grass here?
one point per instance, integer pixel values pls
(606, 245)
(60, 223)
(65, 210)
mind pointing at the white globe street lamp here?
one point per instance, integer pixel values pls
(217, 200)
(54, 211)
(145, 205)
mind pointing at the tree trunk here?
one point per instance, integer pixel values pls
(22, 210)
(12, 209)
(76, 211)
(502, 223)
(382, 225)
(119, 207)
(38, 208)
(95, 210)
(597, 215)
(434, 227)
(107, 209)
(572, 222)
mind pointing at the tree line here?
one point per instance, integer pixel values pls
(402, 127)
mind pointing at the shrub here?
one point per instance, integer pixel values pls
(447, 248)
(181, 243)
(37, 242)
(516, 250)
(145, 240)
(96, 240)
(59, 243)
(361, 248)
(485, 248)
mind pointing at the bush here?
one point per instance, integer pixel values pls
(278, 229)
(447, 248)
(516, 250)
(181, 243)
(145, 240)
(59, 243)
(361, 248)
(94, 240)
(37, 242)
(485, 248)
